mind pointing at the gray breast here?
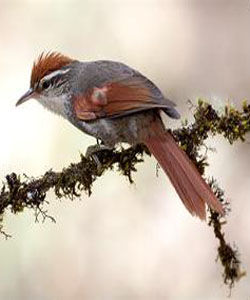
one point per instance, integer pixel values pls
(129, 129)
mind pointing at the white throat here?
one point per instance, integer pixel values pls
(55, 104)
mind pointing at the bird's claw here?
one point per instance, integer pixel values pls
(93, 151)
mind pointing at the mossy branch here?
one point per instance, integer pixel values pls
(19, 192)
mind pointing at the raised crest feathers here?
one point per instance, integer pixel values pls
(47, 63)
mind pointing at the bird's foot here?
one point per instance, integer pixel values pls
(97, 152)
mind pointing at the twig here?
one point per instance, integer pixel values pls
(20, 192)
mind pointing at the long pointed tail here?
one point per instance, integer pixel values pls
(190, 186)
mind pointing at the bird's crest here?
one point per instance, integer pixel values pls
(47, 63)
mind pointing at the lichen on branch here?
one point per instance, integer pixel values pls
(22, 192)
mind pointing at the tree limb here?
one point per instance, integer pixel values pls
(19, 192)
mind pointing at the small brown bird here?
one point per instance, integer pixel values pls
(115, 103)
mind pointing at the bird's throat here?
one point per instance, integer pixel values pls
(56, 104)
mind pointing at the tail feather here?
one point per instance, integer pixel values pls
(190, 186)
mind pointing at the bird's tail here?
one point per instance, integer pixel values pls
(190, 186)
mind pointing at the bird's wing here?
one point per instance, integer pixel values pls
(120, 97)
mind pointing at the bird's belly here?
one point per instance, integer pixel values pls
(129, 129)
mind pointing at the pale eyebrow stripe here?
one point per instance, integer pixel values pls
(55, 73)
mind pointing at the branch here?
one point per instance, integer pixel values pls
(19, 192)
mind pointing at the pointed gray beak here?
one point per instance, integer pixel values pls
(28, 95)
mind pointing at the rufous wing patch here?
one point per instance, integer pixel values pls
(112, 99)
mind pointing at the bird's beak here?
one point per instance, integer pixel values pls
(28, 95)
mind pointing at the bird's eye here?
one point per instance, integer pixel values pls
(45, 85)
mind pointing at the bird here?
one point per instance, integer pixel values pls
(117, 104)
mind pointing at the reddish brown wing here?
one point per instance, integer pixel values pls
(116, 99)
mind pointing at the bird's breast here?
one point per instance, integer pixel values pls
(129, 129)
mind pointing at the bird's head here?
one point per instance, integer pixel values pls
(49, 80)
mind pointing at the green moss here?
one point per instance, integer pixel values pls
(20, 192)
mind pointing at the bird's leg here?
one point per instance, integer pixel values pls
(95, 149)
(96, 152)
(99, 141)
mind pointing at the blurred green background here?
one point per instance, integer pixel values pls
(125, 241)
